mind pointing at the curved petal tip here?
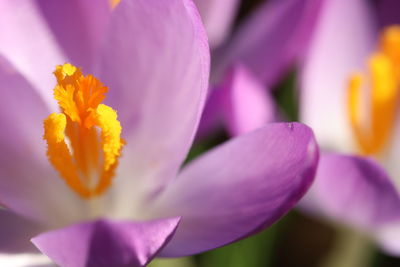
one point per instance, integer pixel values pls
(107, 243)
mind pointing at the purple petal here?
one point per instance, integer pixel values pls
(156, 64)
(217, 16)
(272, 38)
(343, 39)
(239, 188)
(388, 12)
(353, 190)
(211, 118)
(106, 243)
(28, 44)
(16, 233)
(240, 103)
(28, 184)
(78, 37)
(388, 238)
(247, 104)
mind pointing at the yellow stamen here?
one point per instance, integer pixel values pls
(390, 43)
(88, 162)
(372, 134)
(354, 107)
(58, 152)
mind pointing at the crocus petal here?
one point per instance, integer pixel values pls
(239, 188)
(28, 184)
(388, 12)
(344, 37)
(217, 16)
(211, 118)
(353, 190)
(388, 237)
(156, 64)
(268, 42)
(16, 233)
(240, 103)
(78, 37)
(25, 260)
(106, 243)
(390, 159)
(247, 104)
(29, 44)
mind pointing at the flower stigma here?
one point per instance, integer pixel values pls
(84, 140)
(373, 97)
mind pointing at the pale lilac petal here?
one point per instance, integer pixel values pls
(217, 16)
(29, 45)
(25, 260)
(343, 39)
(388, 238)
(239, 188)
(78, 27)
(271, 39)
(16, 233)
(156, 64)
(247, 104)
(106, 243)
(355, 191)
(390, 159)
(28, 184)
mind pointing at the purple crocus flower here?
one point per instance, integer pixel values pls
(217, 17)
(98, 199)
(253, 59)
(264, 33)
(349, 95)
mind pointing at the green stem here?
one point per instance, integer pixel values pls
(178, 262)
(352, 249)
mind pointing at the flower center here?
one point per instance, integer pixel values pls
(373, 97)
(83, 141)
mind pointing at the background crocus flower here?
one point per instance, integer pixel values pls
(262, 48)
(153, 57)
(267, 42)
(217, 17)
(349, 96)
(240, 103)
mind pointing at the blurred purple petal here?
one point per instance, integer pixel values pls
(78, 27)
(247, 104)
(353, 190)
(388, 11)
(16, 233)
(211, 118)
(105, 243)
(271, 39)
(240, 103)
(217, 16)
(336, 50)
(239, 188)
